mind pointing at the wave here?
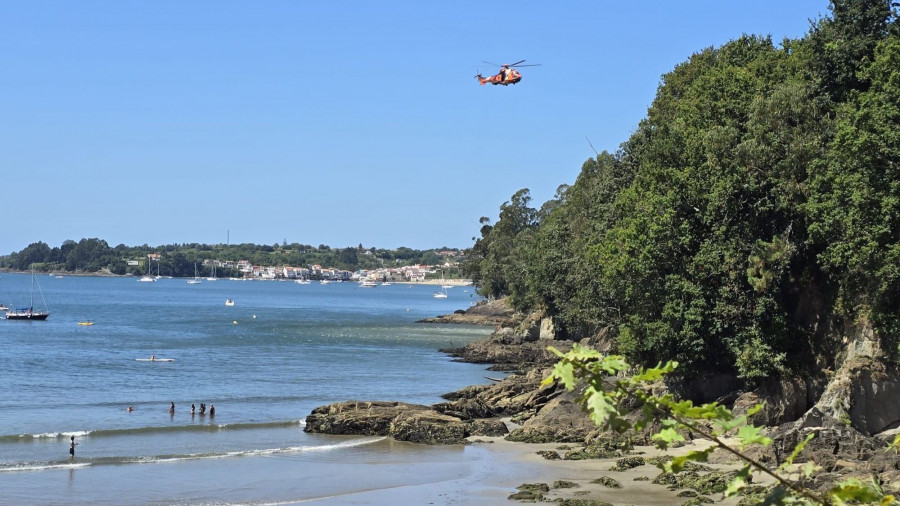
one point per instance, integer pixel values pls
(98, 433)
(165, 459)
(42, 466)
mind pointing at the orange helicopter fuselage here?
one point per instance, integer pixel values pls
(512, 77)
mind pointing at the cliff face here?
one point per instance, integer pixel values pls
(864, 391)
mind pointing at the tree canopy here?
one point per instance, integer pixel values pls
(754, 211)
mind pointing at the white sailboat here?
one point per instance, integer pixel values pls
(443, 293)
(148, 278)
(196, 280)
(213, 277)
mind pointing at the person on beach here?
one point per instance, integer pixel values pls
(72, 448)
(192, 409)
(212, 411)
(171, 408)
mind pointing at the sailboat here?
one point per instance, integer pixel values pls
(28, 313)
(196, 280)
(149, 278)
(213, 277)
(443, 293)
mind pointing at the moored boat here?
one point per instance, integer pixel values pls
(28, 313)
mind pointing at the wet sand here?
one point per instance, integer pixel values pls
(506, 465)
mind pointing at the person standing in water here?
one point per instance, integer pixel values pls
(212, 411)
(72, 448)
(171, 408)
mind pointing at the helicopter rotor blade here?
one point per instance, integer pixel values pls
(529, 65)
(514, 64)
(489, 63)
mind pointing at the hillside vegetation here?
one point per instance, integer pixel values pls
(749, 223)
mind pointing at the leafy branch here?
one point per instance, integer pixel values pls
(607, 387)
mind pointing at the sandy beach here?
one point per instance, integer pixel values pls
(504, 466)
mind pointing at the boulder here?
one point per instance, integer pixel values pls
(428, 427)
(834, 441)
(515, 394)
(562, 419)
(404, 422)
(358, 417)
(547, 330)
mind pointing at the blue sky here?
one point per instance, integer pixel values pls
(333, 123)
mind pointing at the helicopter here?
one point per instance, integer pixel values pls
(507, 75)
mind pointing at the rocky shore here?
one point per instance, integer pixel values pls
(853, 413)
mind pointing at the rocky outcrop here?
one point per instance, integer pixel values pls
(839, 449)
(785, 400)
(404, 422)
(485, 312)
(562, 419)
(864, 393)
(356, 417)
(513, 395)
(508, 350)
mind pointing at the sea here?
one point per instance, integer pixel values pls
(281, 350)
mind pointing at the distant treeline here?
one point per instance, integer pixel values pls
(749, 224)
(95, 255)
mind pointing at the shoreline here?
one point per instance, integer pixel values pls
(589, 470)
(433, 282)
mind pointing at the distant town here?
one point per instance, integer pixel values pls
(248, 261)
(407, 273)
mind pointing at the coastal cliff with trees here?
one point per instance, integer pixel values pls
(751, 223)
(749, 232)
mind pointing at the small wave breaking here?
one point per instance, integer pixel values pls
(164, 459)
(99, 433)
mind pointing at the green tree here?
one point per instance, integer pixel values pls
(499, 255)
(348, 257)
(855, 204)
(34, 253)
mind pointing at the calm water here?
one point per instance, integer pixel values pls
(265, 363)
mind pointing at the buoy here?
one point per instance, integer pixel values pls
(234, 322)
(254, 316)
